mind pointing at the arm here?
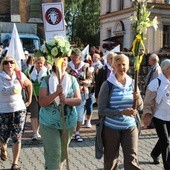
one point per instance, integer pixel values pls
(28, 85)
(76, 100)
(45, 98)
(103, 100)
(103, 108)
(137, 96)
(149, 105)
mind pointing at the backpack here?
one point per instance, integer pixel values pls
(24, 91)
(137, 118)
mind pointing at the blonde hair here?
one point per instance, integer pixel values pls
(120, 57)
(13, 59)
(96, 56)
(41, 59)
(111, 56)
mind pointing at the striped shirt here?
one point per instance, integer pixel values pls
(120, 99)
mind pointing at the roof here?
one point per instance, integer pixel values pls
(113, 38)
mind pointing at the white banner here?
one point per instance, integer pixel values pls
(53, 17)
(85, 52)
(15, 47)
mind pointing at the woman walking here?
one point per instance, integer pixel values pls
(12, 108)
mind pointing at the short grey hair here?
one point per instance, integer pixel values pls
(165, 64)
(155, 57)
(76, 52)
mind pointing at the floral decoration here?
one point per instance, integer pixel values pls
(57, 46)
(141, 22)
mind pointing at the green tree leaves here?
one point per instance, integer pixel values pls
(82, 18)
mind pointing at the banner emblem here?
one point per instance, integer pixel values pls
(53, 16)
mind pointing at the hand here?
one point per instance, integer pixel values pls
(130, 112)
(28, 102)
(59, 89)
(137, 97)
(62, 98)
(147, 119)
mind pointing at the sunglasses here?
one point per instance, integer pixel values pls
(7, 62)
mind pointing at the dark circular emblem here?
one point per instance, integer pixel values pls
(53, 16)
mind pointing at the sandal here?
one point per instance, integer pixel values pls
(78, 138)
(3, 154)
(15, 167)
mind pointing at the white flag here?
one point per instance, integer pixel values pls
(15, 47)
(85, 52)
(116, 49)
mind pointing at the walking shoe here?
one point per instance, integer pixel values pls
(15, 167)
(155, 159)
(88, 124)
(36, 137)
(78, 138)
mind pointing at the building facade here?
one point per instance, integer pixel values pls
(24, 11)
(116, 27)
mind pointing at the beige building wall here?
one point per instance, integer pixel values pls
(109, 20)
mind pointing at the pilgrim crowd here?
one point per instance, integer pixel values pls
(97, 79)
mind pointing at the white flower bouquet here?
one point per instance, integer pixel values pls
(58, 46)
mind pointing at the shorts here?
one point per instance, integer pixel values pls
(12, 125)
(34, 108)
(80, 108)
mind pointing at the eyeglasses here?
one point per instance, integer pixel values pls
(7, 62)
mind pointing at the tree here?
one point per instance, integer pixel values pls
(82, 18)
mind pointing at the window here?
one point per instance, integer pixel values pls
(167, 1)
(121, 4)
(166, 36)
(109, 33)
(30, 44)
(109, 6)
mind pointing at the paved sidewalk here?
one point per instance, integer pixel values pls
(81, 155)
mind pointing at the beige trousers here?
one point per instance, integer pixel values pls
(128, 139)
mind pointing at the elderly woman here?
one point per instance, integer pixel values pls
(80, 70)
(12, 108)
(51, 126)
(157, 108)
(38, 72)
(115, 106)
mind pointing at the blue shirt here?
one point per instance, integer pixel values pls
(121, 99)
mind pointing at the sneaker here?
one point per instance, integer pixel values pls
(83, 122)
(88, 124)
(38, 136)
(34, 138)
(78, 138)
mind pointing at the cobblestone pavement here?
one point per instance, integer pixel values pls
(81, 155)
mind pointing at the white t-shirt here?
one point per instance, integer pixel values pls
(10, 94)
(163, 110)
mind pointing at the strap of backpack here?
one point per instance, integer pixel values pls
(18, 74)
(159, 82)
